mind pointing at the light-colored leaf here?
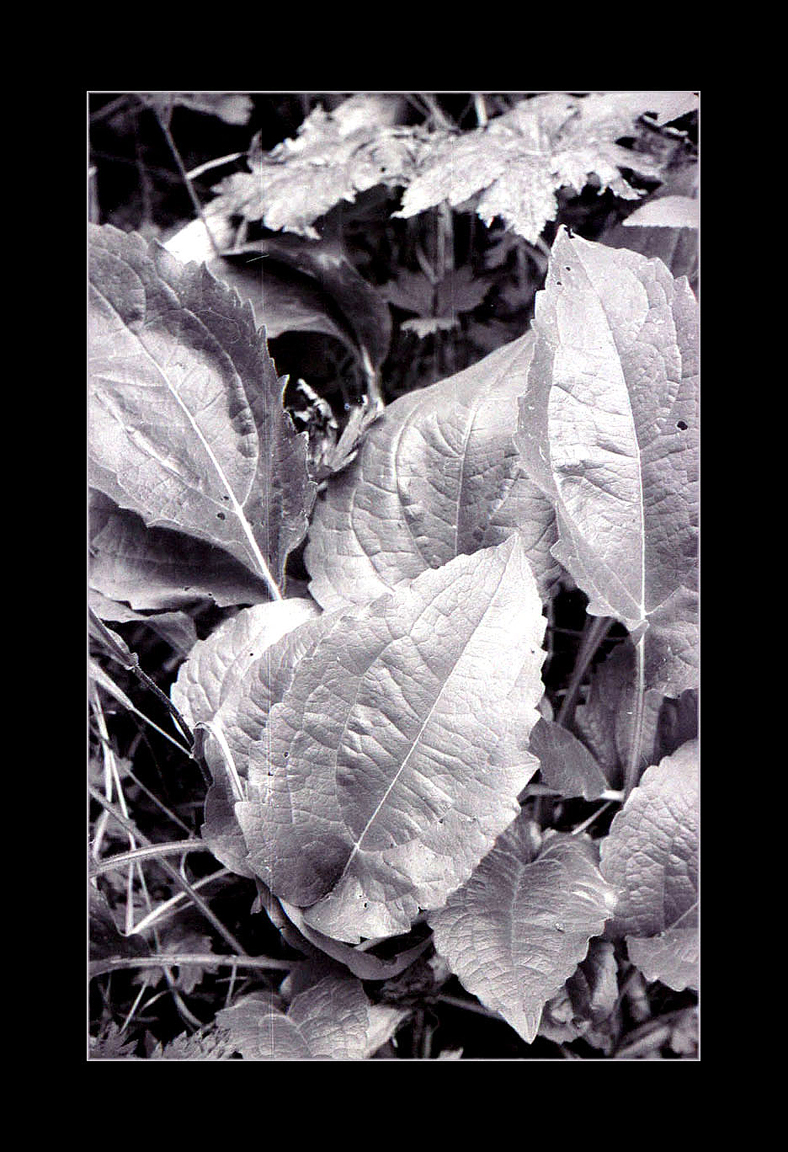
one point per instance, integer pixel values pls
(396, 755)
(650, 856)
(520, 926)
(516, 163)
(565, 764)
(437, 476)
(609, 429)
(666, 212)
(673, 957)
(187, 426)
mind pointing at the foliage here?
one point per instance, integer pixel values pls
(393, 519)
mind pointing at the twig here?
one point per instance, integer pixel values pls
(172, 872)
(204, 959)
(186, 180)
(151, 852)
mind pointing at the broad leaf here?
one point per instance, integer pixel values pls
(396, 755)
(516, 163)
(187, 426)
(521, 925)
(650, 856)
(608, 429)
(436, 477)
(328, 1021)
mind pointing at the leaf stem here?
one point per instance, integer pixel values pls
(148, 853)
(632, 771)
(596, 628)
(185, 177)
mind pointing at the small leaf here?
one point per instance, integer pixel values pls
(328, 1021)
(396, 755)
(520, 926)
(608, 429)
(566, 765)
(672, 957)
(650, 856)
(187, 426)
(437, 476)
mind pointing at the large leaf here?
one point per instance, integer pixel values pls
(650, 856)
(609, 429)
(516, 163)
(187, 426)
(396, 755)
(521, 925)
(436, 477)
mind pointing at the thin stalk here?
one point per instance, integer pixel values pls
(152, 852)
(204, 959)
(172, 872)
(209, 164)
(597, 627)
(164, 909)
(468, 1006)
(632, 772)
(480, 107)
(187, 182)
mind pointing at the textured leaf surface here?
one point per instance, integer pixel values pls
(519, 160)
(565, 764)
(329, 1021)
(395, 757)
(650, 856)
(155, 568)
(334, 156)
(586, 1004)
(436, 477)
(187, 426)
(673, 957)
(521, 925)
(608, 428)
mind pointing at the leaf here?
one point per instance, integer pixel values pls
(516, 163)
(608, 429)
(585, 1006)
(217, 670)
(154, 568)
(396, 755)
(672, 957)
(457, 292)
(329, 1021)
(666, 212)
(520, 926)
(566, 765)
(334, 156)
(650, 856)
(436, 477)
(187, 426)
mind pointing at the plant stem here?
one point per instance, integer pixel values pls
(151, 852)
(596, 628)
(632, 772)
(175, 875)
(204, 959)
(185, 177)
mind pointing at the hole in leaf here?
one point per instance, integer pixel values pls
(220, 516)
(682, 426)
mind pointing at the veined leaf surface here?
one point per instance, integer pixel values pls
(436, 476)
(520, 926)
(397, 754)
(187, 426)
(608, 428)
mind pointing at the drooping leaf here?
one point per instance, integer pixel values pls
(328, 1021)
(437, 476)
(521, 925)
(187, 426)
(650, 856)
(334, 156)
(565, 764)
(153, 569)
(608, 428)
(396, 755)
(517, 162)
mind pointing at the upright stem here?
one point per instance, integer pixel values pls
(596, 628)
(632, 772)
(185, 177)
